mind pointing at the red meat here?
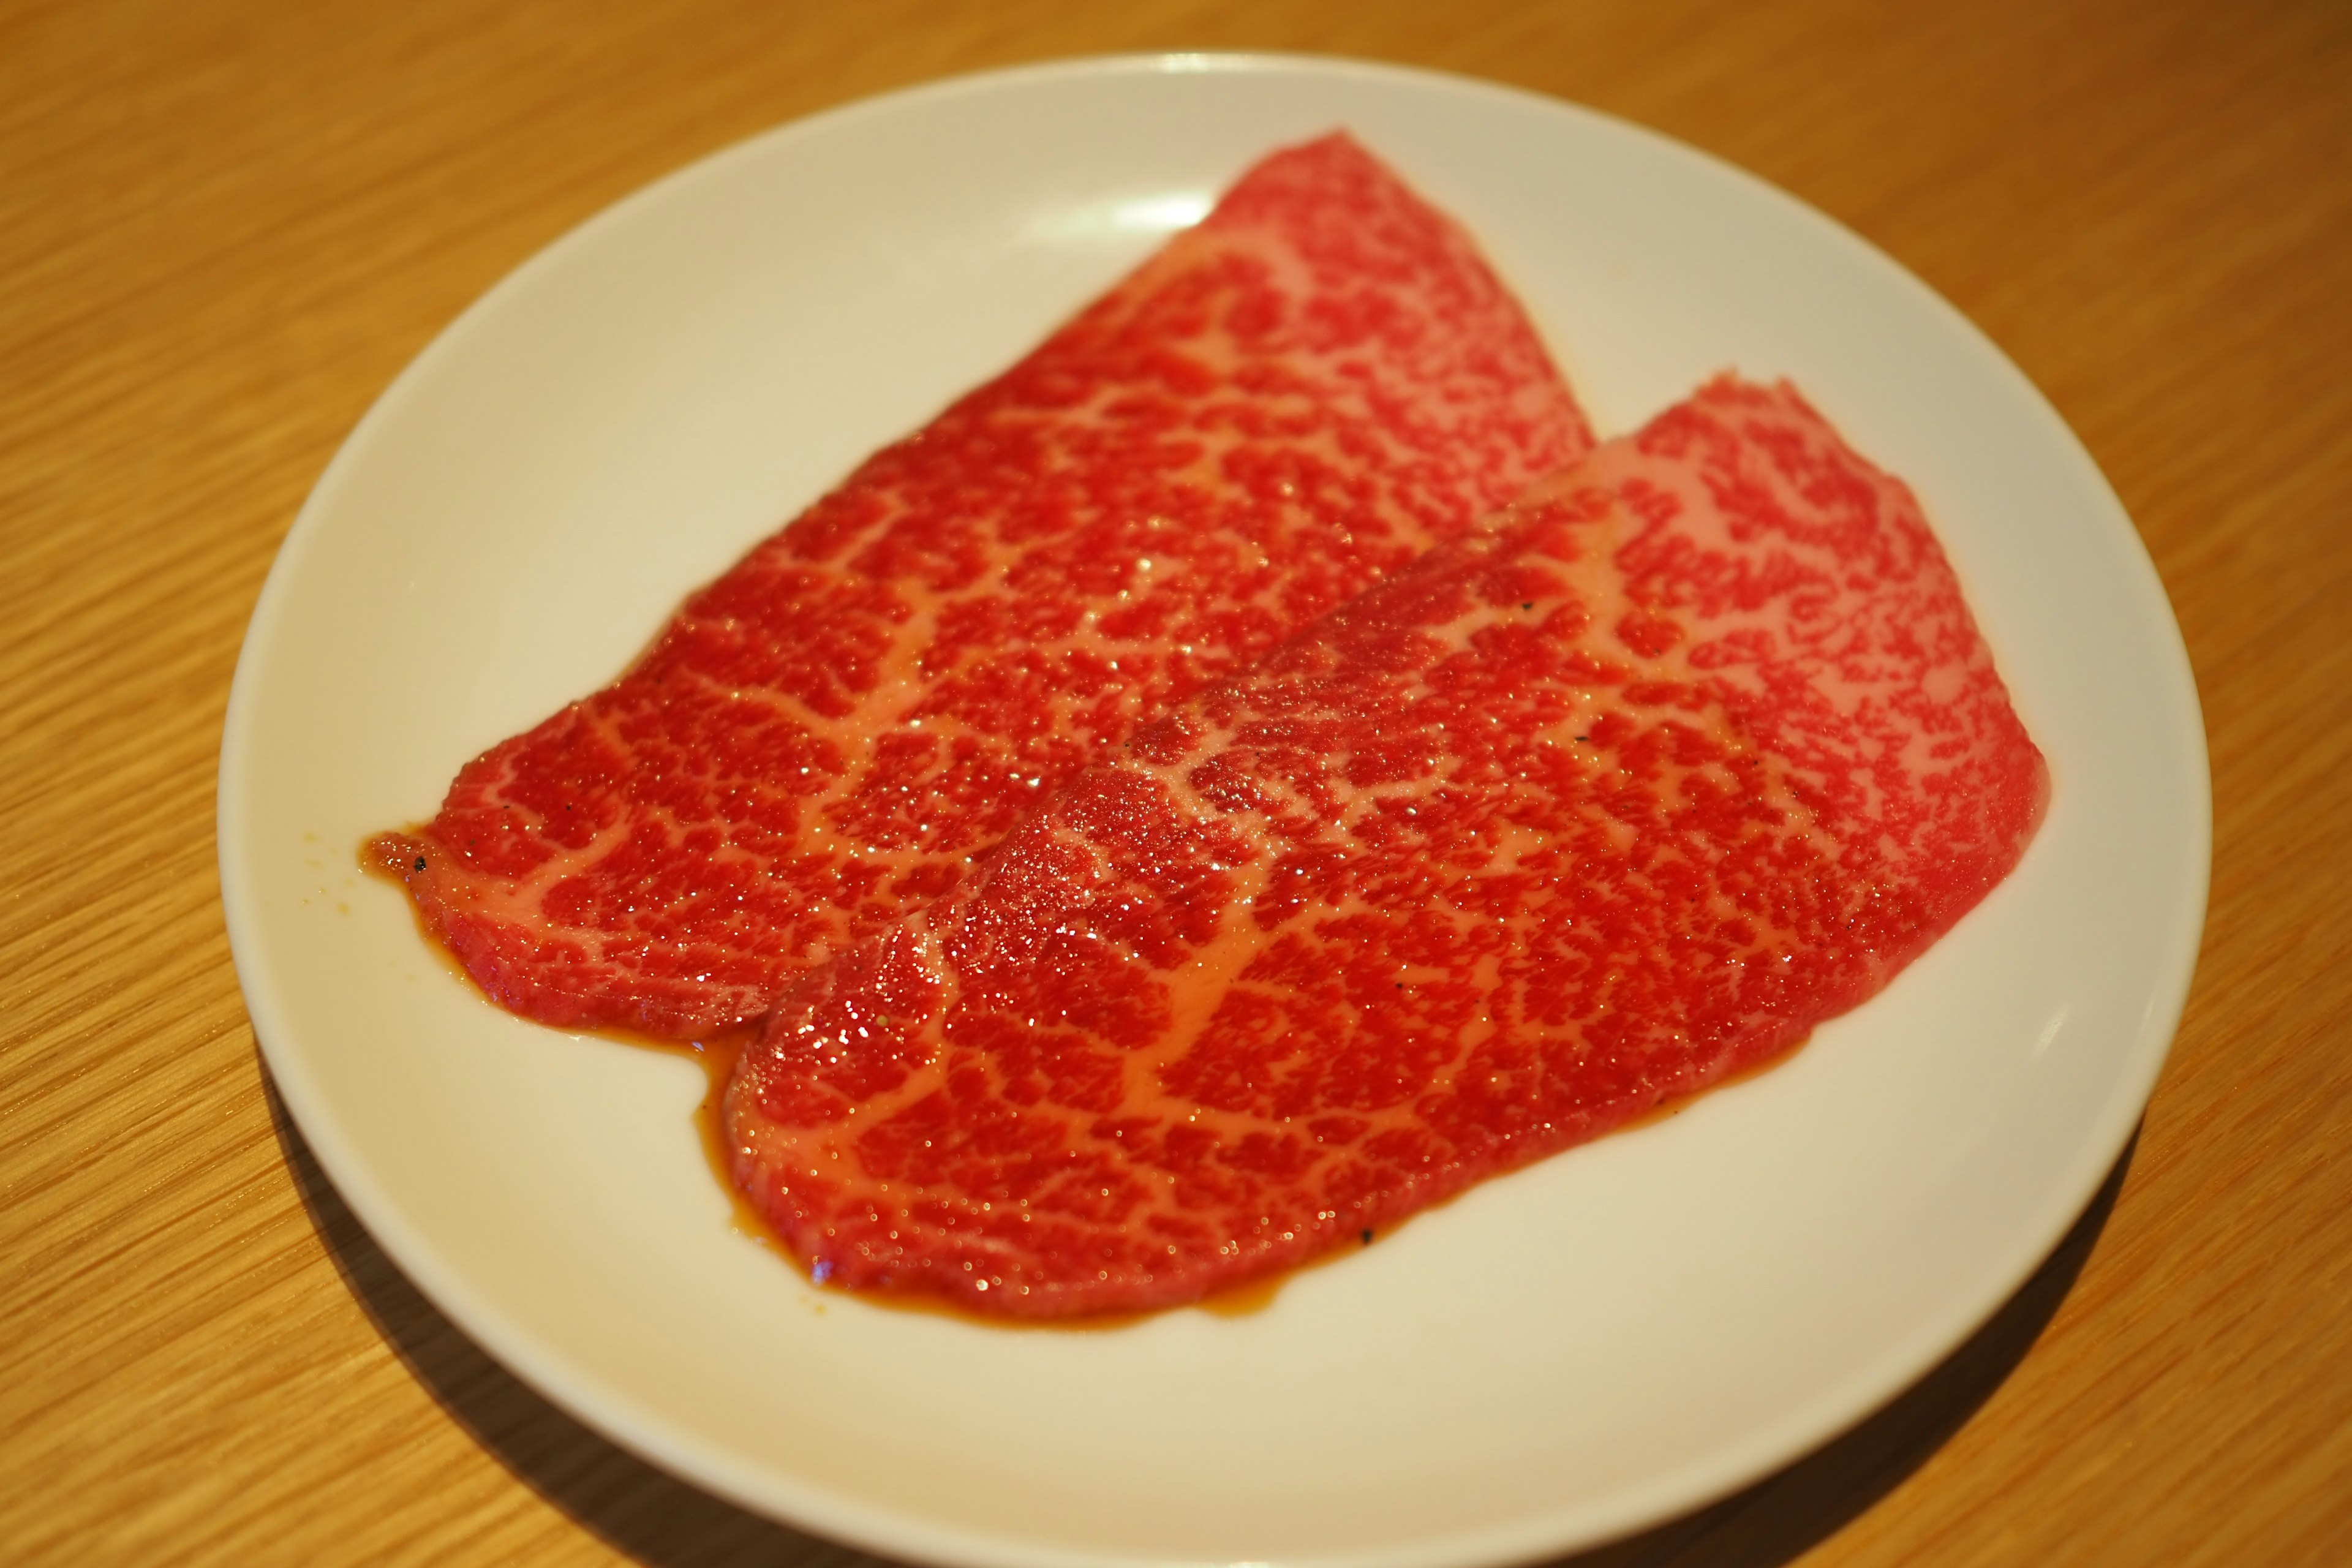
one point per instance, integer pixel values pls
(1693, 748)
(1296, 396)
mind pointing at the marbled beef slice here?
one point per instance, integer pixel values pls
(1297, 396)
(1624, 792)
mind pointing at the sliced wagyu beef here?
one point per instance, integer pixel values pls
(1296, 396)
(1624, 792)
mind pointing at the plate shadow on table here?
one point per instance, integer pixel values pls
(666, 1523)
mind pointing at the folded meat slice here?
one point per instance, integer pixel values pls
(1298, 395)
(1693, 748)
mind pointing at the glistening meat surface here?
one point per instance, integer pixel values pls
(1693, 748)
(1294, 397)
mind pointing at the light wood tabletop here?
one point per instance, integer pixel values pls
(226, 225)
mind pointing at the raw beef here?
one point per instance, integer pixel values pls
(1691, 749)
(1296, 396)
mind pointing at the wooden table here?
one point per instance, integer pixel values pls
(224, 227)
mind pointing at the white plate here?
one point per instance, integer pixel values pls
(1571, 1352)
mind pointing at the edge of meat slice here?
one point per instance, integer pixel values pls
(1693, 748)
(1292, 398)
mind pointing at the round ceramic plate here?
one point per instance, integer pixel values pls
(1617, 1334)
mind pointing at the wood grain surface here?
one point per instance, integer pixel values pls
(226, 225)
